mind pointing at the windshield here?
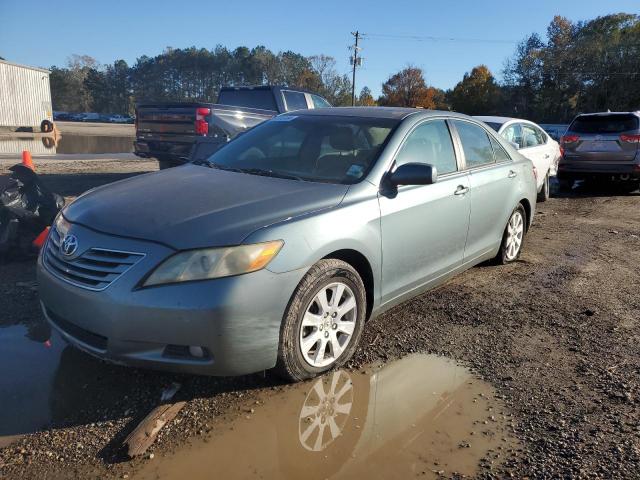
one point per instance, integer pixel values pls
(329, 148)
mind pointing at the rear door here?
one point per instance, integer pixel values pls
(536, 148)
(491, 176)
(602, 137)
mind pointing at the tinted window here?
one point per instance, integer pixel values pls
(319, 102)
(429, 143)
(475, 143)
(499, 153)
(513, 134)
(323, 148)
(530, 137)
(294, 100)
(248, 98)
(615, 123)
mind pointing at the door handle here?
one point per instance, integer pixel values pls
(547, 156)
(512, 173)
(461, 190)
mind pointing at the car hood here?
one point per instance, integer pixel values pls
(195, 206)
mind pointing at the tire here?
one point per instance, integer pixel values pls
(565, 184)
(506, 254)
(543, 194)
(295, 358)
(46, 126)
(164, 164)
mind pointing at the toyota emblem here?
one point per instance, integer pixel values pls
(69, 245)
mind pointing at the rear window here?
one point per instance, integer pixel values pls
(295, 100)
(262, 99)
(616, 123)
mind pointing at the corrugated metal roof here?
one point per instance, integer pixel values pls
(43, 70)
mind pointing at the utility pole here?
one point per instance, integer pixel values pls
(356, 61)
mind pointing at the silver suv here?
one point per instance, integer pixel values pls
(601, 146)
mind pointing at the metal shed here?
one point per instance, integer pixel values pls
(25, 98)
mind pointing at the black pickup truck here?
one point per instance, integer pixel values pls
(177, 132)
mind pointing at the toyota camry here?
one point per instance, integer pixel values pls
(278, 249)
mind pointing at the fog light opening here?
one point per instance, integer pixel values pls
(196, 351)
(187, 352)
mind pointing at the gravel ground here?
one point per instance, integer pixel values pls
(556, 334)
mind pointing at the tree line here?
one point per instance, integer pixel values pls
(578, 67)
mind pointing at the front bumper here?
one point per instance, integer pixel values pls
(236, 320)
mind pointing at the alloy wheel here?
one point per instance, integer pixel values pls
(328, 324)
(515, 232)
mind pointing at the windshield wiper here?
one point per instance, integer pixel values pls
(252, 171)
(269, 173)
(217, 166)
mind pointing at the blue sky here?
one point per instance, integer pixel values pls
(45, 33)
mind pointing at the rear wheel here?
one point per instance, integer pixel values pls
(166, 162)
(513, 236)
(543, 195)
(565, 184)
(323, 323)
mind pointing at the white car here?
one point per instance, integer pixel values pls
(534, 143)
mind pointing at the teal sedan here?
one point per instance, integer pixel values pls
(276, 250)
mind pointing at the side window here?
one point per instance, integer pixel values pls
(475, 143)
(541, 136)
(319, 102)
(529, 136)
(294, 100)
(513, 134)
(499, 153)
(429, 143)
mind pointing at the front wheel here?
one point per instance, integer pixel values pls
(323, 323)
(513, 236)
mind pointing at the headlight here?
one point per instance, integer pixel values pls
(214, 263)
(62, 225)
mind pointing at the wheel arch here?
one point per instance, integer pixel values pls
(527, 210)
(362, 265)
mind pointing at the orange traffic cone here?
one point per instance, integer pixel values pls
(26, 160)
(39, 241)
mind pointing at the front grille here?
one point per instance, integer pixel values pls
(95, 269)
(94, 340)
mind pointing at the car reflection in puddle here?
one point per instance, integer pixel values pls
(422, 415)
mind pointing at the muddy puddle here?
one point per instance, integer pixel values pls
(29, 359)
(66, 144)
(421, 416)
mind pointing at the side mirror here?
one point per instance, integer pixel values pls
(515, 145)
(414, 174)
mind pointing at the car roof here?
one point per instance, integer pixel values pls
(500, 120)
(604, 114)
(398, 113)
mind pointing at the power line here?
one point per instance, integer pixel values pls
(421, 38)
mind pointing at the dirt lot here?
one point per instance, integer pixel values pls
(556, 334)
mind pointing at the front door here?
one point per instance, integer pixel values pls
(424, 228)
